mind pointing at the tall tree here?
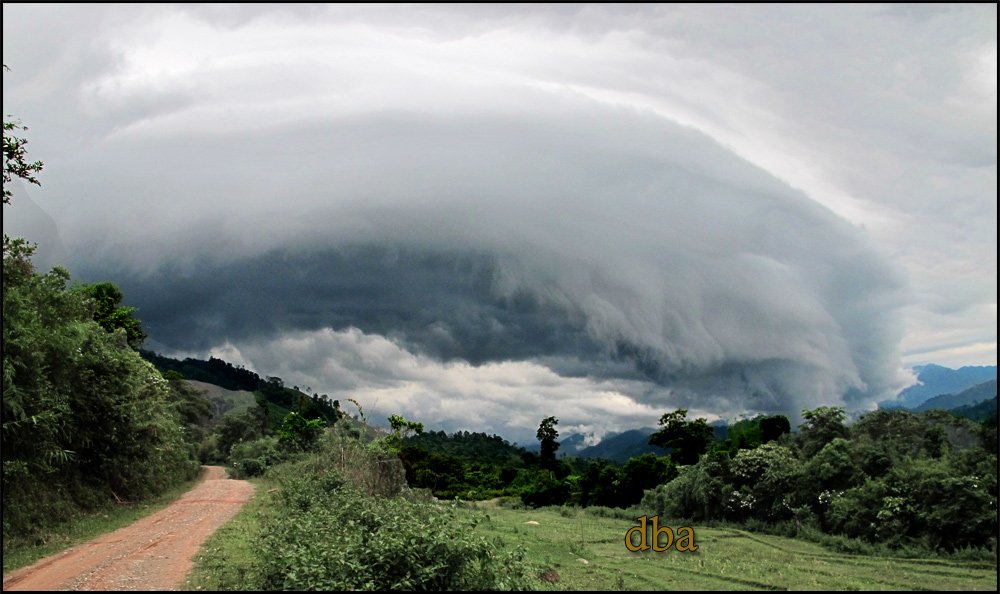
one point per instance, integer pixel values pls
(687, 439)
(547, 436)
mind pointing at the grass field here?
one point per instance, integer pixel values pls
(588, 553)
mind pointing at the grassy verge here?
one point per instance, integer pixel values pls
(588, 552)
(19, 552)
(232, 552)
(584, 551)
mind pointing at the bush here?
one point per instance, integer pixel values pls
(629, 513)
(252, 458)
(371, 468)
(328, 535)
(353, 542)
(546, 490)
(700, 492)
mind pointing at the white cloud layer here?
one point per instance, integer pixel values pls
(508, 398)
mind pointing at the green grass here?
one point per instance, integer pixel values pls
(19, 552)
(231, 553)
(727, 559)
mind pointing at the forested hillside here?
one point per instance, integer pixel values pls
(968, 397)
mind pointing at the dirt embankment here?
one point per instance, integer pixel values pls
(154, 553)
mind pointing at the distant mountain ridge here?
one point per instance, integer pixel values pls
(622, 446)
(613, 446)
(23, 217)
(968, 397)
(936, 380)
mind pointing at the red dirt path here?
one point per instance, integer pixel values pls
(154, 553)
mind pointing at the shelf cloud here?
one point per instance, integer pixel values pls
(465, 214)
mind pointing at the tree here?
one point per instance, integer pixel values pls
(764, 478)
(642, 473)
(821, 427)
(547, 436)
(689, 439)
(15, 161)
(401, 428)
(772, 428)
(110, 315)
(701, 491)
(235, 427)
(298, 432)
(84, 417)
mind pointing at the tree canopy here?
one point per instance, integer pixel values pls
(687, 439)
(547, 436)
(111, 315)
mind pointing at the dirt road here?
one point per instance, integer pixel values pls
(155, 553)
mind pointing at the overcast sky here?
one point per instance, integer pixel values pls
(478, 216)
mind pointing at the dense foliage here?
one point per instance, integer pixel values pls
(283, 420)
(925, 480)
(85, 419)
(111, 315)
(686, 439)
(475, 466)
(341, 518)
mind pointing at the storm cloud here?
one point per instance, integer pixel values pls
(461, 214)
(598, 233)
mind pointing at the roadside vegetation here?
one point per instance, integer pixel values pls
(339, 516)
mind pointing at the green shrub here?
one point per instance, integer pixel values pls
(85, 419)
(353, 542)
(546, 490)
(701, 492)
(630, 513)
(329, 535)
(252, 458)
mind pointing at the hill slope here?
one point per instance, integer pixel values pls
(622, 446)
(977, 412)
(973, 395)
(223, 401)
(935, 380)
